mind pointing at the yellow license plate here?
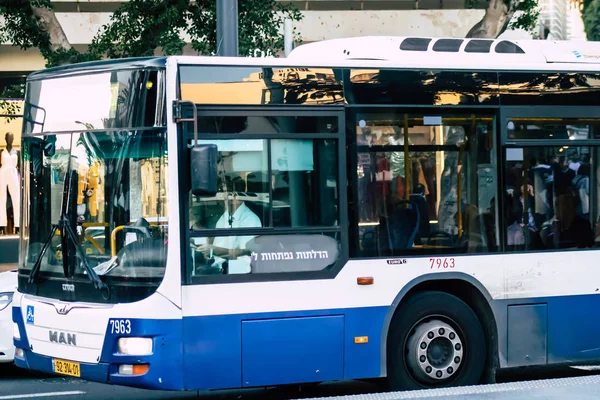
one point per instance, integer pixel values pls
(67, 368)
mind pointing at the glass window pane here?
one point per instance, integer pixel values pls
(388, 86)
(549, 88)
(265, 124)
(303, 184)
(129, 167)
(243, 197)
(415, 44)
(260, 85)
(99, 101)
(546, 198)
(552, 128)
(447, 45)
(304, 179)
(438, 197)
(478, 46)
(259, 254)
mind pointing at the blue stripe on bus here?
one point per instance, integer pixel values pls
(220, 351)
(232, 351)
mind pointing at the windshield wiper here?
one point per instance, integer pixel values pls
(65, 227)
(38, 262)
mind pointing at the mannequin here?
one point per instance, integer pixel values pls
(9, 180)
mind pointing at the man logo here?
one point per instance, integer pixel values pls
(63, 338)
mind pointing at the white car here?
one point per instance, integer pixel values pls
(8, 285)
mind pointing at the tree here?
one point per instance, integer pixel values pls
(503, 14)
(144, 27)
(591, 19)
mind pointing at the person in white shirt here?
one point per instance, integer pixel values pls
(232, 246)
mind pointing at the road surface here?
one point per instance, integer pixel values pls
(18, 384)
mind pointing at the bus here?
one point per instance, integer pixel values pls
(423, 210)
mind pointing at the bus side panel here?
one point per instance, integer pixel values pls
(548, 330)
(292, 350)
(363, 360)
(212, 352)
(573, 326)
(213, 345)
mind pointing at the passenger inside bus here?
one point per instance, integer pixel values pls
(227, 253)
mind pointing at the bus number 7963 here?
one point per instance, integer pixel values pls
(442, 262)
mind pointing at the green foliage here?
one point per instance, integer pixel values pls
(19, 26)
(147, 27)
(10, 109)
(527, 13)
(139, 27)
(591, 19)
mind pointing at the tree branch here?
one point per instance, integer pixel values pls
(49, 22)
(494, 22)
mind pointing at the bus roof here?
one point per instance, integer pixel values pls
(389, 52)
(456, 53)
(99, 66)
(430, 53)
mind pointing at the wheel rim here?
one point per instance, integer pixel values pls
(434, 352)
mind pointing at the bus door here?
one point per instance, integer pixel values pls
(277, 215)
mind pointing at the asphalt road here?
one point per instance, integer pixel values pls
(18, 384)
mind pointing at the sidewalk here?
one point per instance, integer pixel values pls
(7, 267)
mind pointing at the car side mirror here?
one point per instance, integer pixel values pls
(203, 169)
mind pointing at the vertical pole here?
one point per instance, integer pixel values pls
(288, 37)
(227, 28)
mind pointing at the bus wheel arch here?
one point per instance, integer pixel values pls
(469, 292)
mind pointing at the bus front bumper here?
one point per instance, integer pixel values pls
(163, 366)
(100, 372)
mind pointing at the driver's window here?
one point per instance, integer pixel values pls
(287, 185)
(242, 202)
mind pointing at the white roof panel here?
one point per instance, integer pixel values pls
(451, 52)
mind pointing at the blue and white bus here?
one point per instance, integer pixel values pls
(418, 209)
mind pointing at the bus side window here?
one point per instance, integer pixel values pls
(429, 187)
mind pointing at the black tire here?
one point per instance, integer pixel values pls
(416, 312)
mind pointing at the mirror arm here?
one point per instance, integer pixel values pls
(194, 119)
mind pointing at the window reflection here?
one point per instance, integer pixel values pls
(298, 188)
(256, 85)
(129, 167)
(265, 124)
(547, 89)
(552, 128)
(422, 87)
(547, 198)
(425, 183)
(100, 101)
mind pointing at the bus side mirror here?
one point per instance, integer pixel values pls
(203, 169)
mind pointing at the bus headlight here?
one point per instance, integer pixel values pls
(5, 300)
(135, 346)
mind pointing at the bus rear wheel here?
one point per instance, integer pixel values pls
(435, 340)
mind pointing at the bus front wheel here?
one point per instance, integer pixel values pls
(435, 340)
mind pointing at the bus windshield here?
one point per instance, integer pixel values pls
(110, 188)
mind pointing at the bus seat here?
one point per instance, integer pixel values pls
(402, 226)
(423, 209)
